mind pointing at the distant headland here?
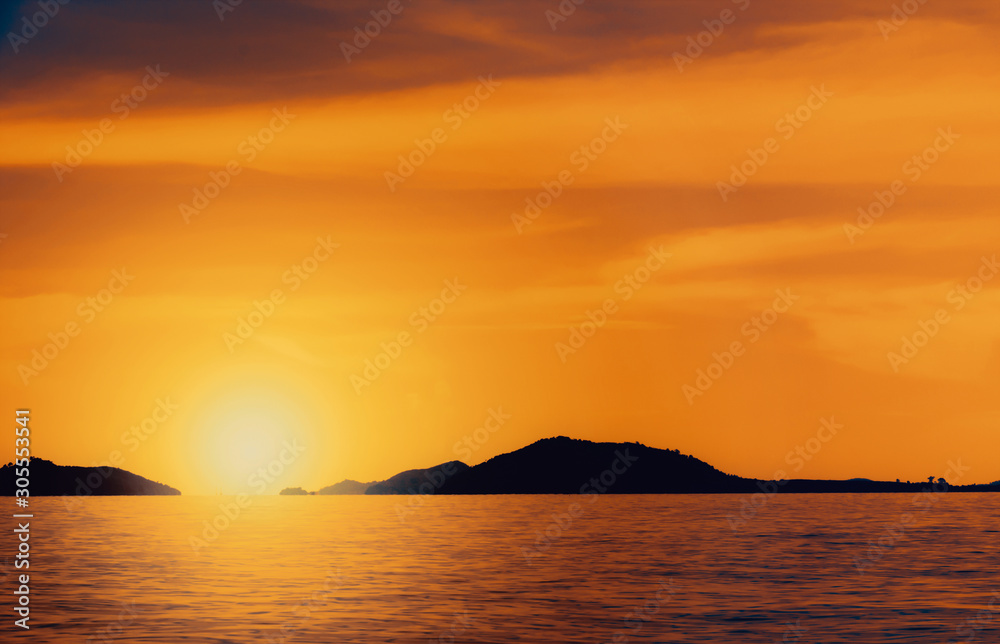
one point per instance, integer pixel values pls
(419, 481)
(557, 465)
(564, 465)
(49, 479)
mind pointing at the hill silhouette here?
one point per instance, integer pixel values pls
(48, 479)
(423, 481)
(347, 486)
(564, 465)
(417, 481)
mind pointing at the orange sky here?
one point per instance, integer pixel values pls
(838, 103)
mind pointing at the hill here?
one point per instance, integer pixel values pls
(347, 486)
(564, 465)
(48, 479)
(425, 481)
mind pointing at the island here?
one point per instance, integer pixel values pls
(48, 479)
(563, 465)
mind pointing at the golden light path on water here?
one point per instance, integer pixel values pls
(515, 568)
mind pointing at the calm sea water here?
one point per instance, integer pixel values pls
(481, 569)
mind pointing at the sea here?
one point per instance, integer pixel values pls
(859, 568)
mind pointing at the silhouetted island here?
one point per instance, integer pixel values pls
(419, 481)
(408, 482)
(347, 486)
(564, 465)
(48, 479)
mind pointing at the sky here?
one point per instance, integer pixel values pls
(762, 233)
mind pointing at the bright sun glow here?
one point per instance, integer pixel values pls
(243, 433)
(247, 440)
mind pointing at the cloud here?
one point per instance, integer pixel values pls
(289, 51)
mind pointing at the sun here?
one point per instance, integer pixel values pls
(245, 415)
(247, 440)
(241, 433)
